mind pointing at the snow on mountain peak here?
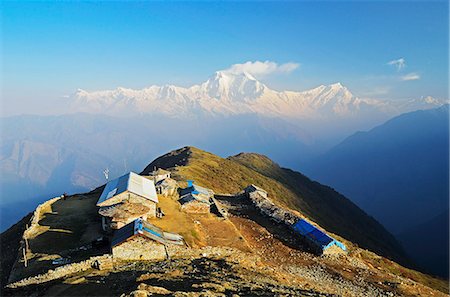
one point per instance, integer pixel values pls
(225, 85)
(228, 93)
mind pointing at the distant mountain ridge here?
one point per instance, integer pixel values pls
(43, 156)
(227, 93)
(397, 172)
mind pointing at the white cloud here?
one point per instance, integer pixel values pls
(260, 69)
(399, 63)
(410, 76)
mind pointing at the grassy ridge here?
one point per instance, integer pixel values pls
(288, 188)
(328, 208)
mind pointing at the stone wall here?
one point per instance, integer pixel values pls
(195, 207)
(37, 215)
(62, 271)
(132, 198)
(30, 232)
(139, 248)
(286, 217)
(267, 207)
(333, 250)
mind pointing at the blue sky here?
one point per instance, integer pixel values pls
(51, 49)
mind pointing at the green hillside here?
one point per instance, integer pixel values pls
(288, 188)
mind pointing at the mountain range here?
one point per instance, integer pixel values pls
(227, 93)
(230, 112)
(44, 156)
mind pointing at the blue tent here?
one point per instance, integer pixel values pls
(316, 236)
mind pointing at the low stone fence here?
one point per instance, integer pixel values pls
(31, 229)
(286, 217)
(63, 271)
(37, 216)
(268, 208)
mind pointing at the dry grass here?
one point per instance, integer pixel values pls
(177, 221)
(221, 232)
(198, 230)
(388, 266)
(64, 225)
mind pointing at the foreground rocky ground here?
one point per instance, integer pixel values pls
(227, 272)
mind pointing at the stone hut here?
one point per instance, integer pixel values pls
(159, 174)
(166, 187)
(318, 239)
(195, 199)
(139, 240)
(192, 203)
(202, 192)
(126, 198)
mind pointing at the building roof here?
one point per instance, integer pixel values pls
(191, 197)
(255, 188)
(194, 189)
(166, 182)
(131, 182)
(315, 235)
(140, 227)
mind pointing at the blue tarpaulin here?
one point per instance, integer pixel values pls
(316, 235)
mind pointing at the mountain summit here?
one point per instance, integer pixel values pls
(224, 85)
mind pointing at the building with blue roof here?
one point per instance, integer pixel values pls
(317, 238)
(140, 240)
(195, 199)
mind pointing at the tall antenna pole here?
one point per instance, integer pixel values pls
(106, 173)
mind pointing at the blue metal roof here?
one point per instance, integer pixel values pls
(195, 189)
(136, 227)
(316, 235)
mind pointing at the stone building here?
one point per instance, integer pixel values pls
(139, 240)
(195, 199)
(166, 187)
(318, 239)
(202, 192)
(159, 174)
(125, 199)
(192, 203)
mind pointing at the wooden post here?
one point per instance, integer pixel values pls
(27, 247)
(25, 257)
(167, 253)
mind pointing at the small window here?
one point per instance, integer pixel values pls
(111, 193)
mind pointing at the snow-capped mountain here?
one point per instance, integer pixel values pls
(228, 93)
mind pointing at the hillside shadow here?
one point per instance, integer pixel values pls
(72, 222)
(242, 207)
